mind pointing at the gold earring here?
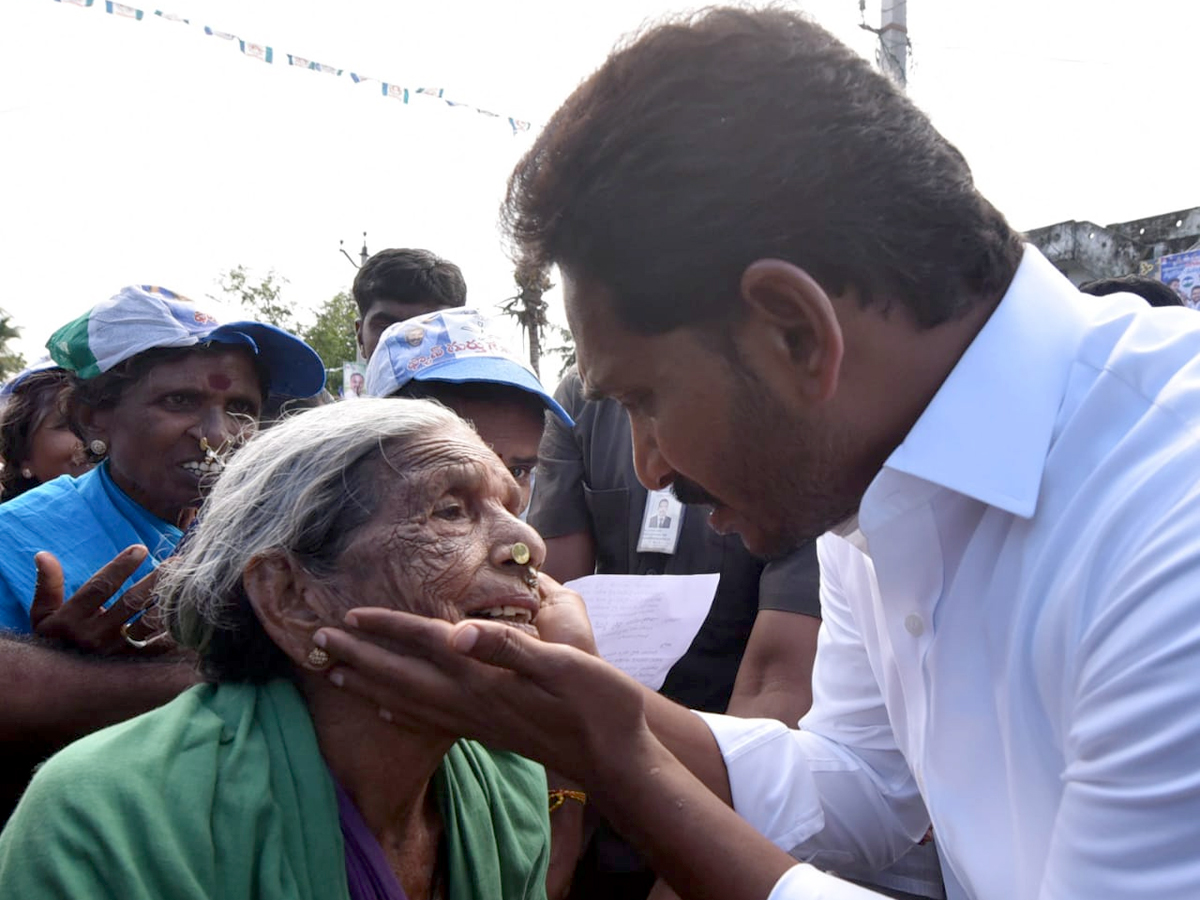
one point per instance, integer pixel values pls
(520, 553)
(98, 447)
(26, 472)
(318, 658)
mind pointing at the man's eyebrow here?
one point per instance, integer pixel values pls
(525, 461)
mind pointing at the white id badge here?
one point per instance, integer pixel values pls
(660, 523)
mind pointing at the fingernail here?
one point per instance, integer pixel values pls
(351, 619)
(319, 639)
(464, 639)
(385, 715)
(337, 678)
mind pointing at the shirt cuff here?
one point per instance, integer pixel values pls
(804, 882)
(769, 778)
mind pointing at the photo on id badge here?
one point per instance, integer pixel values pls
(660, 523)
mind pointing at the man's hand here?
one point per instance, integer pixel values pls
(562, 617)
(484, 680)
(83, 622)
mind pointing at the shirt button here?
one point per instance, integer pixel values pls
(913, 625)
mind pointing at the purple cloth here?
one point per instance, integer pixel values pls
(367, 871)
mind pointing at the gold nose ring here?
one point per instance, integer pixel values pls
(520, 553)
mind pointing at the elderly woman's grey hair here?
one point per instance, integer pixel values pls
(301, 488)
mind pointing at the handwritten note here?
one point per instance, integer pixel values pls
(645, 623)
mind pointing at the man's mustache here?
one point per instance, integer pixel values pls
(687, 491)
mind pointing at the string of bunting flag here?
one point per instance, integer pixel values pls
(266, 54)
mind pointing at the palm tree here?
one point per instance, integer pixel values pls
(11, 362)
(528, 307)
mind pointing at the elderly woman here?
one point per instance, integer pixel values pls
(269, 781)
(159, 392)
(36, 442)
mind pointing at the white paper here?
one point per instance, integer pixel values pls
(644, 623)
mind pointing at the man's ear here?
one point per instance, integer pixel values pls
(286, 602)
(792, 328)
(358, 337)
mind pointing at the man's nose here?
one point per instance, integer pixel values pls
(653, 471)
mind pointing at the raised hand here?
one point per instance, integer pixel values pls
(84, 623)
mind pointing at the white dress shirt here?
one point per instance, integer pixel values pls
(1014, 652)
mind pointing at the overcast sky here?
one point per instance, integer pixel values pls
(144, 151)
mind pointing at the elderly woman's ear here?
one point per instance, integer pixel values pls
(289, 603)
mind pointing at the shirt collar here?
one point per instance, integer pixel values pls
(988, 429)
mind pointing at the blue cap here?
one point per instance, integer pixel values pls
(452, 345)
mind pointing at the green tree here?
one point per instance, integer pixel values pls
(528, 307)
(332, 336)
(565, 349)
(11, 362)
(262, 298)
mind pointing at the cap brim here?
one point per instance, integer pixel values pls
(293, 367)
(495, 371)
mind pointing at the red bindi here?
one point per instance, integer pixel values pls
(219, 382)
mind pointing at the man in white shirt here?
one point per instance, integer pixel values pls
(1012, 472)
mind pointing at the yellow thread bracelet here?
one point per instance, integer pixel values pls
(559, 796)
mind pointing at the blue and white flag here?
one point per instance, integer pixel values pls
(258, 51)
(120, 9)
(395, 91)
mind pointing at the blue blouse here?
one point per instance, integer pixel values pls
(83, 521)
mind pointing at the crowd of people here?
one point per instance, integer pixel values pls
(258, 644)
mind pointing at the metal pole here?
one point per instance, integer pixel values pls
(893, 40)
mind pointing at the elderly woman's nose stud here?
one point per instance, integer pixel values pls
(520, 553)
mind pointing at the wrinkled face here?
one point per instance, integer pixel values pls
(53, 448)
(706, 422)
(383, 313)
(154, 433)
(440, 543)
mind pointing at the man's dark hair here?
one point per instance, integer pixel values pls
(736, 135)
(1151, 290)
(408, 276)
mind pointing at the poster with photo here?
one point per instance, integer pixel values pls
(354, 380)
(1181, 273)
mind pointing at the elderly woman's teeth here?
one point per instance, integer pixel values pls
(514, 613)
(208, 467)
